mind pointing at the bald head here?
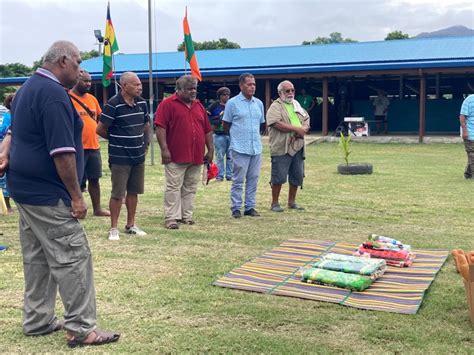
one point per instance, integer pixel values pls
(131, 85)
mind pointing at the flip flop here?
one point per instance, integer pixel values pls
(97, 337)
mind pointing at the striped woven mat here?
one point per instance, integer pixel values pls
(276, 272)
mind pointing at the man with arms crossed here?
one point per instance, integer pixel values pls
(288, 122)
(46, 159)
(124, 122)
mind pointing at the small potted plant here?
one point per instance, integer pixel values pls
(351, 168)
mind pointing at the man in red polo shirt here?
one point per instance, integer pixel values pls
(183, 130)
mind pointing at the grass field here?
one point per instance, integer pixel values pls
(156, 290)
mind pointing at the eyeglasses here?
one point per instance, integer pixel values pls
(287, 91)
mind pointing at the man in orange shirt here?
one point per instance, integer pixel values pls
(89, 110)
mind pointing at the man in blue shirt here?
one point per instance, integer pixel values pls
(46, 159)
(243, 116)
(466, 118)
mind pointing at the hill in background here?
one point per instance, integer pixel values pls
(453, 31)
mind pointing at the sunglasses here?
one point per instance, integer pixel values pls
(289, 91)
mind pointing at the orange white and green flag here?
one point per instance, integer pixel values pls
(110, 47)
(189, 49)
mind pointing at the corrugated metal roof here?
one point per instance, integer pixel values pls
(381, 55)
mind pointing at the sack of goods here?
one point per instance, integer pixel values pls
(350, 272)
(394, 252)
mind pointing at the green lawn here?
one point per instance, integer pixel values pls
(156, 290)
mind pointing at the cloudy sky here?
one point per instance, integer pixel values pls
(28, 27)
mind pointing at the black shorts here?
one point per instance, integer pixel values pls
(284, 166)
(92, 164)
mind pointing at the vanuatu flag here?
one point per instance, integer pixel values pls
(110, 46)
(189, 49)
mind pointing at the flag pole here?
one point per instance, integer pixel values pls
(115, 74)
(150, 84)
(184, 43)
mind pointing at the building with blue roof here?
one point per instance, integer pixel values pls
(425, 79)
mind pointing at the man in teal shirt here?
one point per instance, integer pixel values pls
(288, 122)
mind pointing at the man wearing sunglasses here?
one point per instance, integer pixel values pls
(288, 123)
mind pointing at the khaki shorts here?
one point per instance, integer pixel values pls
(127, 178)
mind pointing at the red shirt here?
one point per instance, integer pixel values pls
(186, 129)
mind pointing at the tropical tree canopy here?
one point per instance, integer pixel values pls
(396, 35)
(334, 37)
(221, 43)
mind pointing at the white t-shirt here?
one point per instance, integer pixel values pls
(381, 103)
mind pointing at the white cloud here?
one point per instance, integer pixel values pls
(28, 27)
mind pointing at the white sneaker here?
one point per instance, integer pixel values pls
(134, 230)
(114, 234)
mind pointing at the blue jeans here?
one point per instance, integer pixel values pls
(224, 162)
(246, 169)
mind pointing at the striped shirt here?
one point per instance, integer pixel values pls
(126, 126)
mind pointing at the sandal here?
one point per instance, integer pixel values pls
(97, 337)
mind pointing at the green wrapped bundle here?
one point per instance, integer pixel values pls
(352, 264)
(334, 278)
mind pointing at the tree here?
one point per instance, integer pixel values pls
(396, 35)
(91, 54)
(222, 43)
(334, 37)
(12, 70)
(84, 55)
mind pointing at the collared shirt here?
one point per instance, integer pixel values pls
(467, 109)
(44, 124)
(245, 116)
(126, 127)
(186, 129)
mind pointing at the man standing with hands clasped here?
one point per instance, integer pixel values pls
(183, 131)
(243, 116)
(125, 123)
(287, 123)
(45, 161)
(89, 110)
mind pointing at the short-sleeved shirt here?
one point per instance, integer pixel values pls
(381, 104)
(186, 129)
(245, 116)
(89, 135)
(126, 130)
(216, 112)
(44, 124)
(305, 100)
(5, 121)
(467, 109)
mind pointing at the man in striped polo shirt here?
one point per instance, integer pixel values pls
(124, 122)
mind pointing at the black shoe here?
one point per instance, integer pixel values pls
(252, 213)
(236, 214)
